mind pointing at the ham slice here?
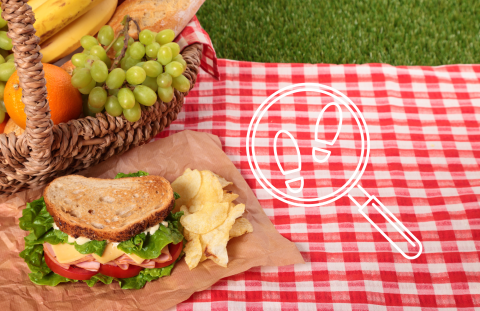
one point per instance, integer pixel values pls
(164, 256)
(89, 265)
(124, 259)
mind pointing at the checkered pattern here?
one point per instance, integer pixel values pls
(424, 166)
(194, 33)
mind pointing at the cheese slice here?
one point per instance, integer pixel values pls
(110, 253)
(135, 258)
(66, 253)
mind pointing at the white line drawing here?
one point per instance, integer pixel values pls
(339, 100)
(280, 166)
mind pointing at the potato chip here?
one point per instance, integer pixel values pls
(208, 218)
(229, 196)
(222, 180)
(193, 252)
(187, 185)
(216, 241)
(240, 227)
(210, 191)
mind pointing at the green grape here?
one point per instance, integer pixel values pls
(164, 80)
(151, 83)
(118, 53)
(152, 68)
(88, 88)
(130, 41)
(122, 62)
(164, 55)
(78, 60)
(165, 36)
(2, 60)
(113, 92)
(99, 84)
(3, 22)
(165, 93)
(108, 62)
(137, 50)
(2, 116)
(115, 78)
(99, 71)
(94, 110)
(5, 42)
(140, 64)
(129, 63)
(89, 60)
(9, 57)
(174, 69)
(133, 114)
(118, 45)
(99, 52)
(86, 52)
(152, 49)
(6, 70)
(181, 83)
(113, 106)
(11, 60)
(180, 59)
(126, 98)
(97, 97)
(2, 106)
(75, 70)
(135, 75)
(81, 78)
(144, 95)
(106, 35)
(175, 48)
(88, 42)
(2, 90)
(146, 37)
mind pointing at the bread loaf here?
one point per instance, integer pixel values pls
(108, 209)
(156, 15)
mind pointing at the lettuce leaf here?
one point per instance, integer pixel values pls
(137, 174)
(149, 246)
(147, 275)
(36, 219)
(93, 246)
(99, 278)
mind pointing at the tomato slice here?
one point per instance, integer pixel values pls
(73, 272)
(175, 250)
(117, 272)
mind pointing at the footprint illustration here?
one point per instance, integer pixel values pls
(289, 182)
(319, 155)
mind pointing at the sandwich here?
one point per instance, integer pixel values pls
(101, 230)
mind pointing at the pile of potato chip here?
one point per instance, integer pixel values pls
(210, 217)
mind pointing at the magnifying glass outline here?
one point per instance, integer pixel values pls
(371, 199)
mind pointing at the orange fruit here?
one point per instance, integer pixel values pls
(64, 100)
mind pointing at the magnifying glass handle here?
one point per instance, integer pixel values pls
(397, 224)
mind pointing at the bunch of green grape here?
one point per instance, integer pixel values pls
(7, 63)
(153, 65)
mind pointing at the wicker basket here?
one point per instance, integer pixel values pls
(46, 151)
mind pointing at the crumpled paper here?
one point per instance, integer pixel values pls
(167, 157)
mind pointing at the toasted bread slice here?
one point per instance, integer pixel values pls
(108, 209)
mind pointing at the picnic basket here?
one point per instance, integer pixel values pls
(45, 150)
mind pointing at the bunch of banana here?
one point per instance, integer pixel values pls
(61, 23)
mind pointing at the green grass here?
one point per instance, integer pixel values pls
(410, 32)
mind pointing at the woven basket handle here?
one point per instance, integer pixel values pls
(28, 59)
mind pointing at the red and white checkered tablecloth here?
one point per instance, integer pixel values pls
(424, 166)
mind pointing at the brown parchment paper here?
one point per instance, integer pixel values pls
(168, 157)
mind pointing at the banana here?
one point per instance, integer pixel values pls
(35, 4)
(54, 15)
(68, 39)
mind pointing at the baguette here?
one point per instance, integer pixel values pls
(156, 15)
(108, 209)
